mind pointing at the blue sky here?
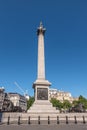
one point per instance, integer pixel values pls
(65, 44)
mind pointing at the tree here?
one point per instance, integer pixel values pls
(30, 102)
(66, 104)
(56, 103)
(82, 100)
(75, 103)
(81, 104)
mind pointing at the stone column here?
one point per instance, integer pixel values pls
(41, 85)
(41, 57)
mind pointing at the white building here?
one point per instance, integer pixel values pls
(52, 91)
(18, 100)
(61, 95)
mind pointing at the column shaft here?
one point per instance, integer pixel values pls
(41, 57)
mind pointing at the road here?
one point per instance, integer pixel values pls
(45, 127)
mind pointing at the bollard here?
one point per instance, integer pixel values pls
(38, 119)
(48, 119)
(29, 120)
(75, 119)
(19, 120)
(8, 122)
(58, 120)
(84, 120)
(67, 120)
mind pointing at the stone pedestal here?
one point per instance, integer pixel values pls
(42, 104)
(41, 88)
(42, 108)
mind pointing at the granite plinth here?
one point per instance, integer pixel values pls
(42, 107)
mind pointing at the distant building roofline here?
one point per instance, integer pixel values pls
(16, 93)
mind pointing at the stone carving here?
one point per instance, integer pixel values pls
(42, 94)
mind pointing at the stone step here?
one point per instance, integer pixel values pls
(44, 106)
(38, 108)
(42, 103)
(43, 112)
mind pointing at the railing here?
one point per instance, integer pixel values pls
(44, 120)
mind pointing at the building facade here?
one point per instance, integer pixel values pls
(18, 100)
(2, 96)
(61, 95)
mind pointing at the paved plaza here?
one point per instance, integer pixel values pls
(45, 127)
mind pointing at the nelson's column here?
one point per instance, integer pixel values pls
(41, 85)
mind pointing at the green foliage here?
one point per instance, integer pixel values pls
(66, 104)
(30, 102)
(56, 103)
(82, 101)
(74, 103)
